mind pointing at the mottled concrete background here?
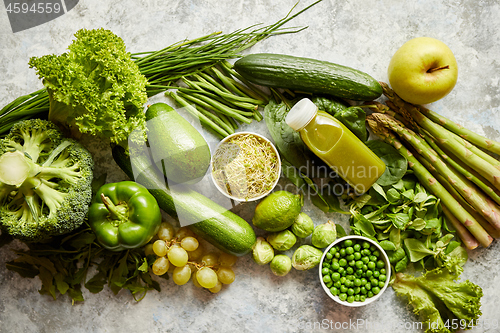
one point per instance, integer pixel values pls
(359, 33)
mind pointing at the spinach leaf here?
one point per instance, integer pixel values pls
(396, 164)
(329, 104)
(354, 118)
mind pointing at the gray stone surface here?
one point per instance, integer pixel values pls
(362, 34)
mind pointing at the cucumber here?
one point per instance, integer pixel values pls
(222, 228)
(178, 149)
(308, 75)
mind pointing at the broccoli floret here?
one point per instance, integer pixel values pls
(45, 181)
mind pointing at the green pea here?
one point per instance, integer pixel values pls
(325, 271)
(371, 265)
(383, 271)
(368, 273)
(359, 273)
(350, 257)
(351, 277)
(348, 242)
(337, 255)
(327, 265)
(334, 291)
(356, 290)
(376, 274)
(343, 279)
(343, 289)
(349, 270)
(363, 281)
(342, 262)
(335, 266)
(362, 298)
(329, 284)
(329, 256)
(363, 290)
(341, 270)
(333, 250)
(336, 276)
(381, 284)
(356, 247)
(350, 291)
(374, 282)
(343, 296)
(365, 260)
(370, 294)
(368, 286)
(380, 264)
(359, 264)
(337, 284)
(350, 299)
(357, 298)
(365, 245)
(364, 268)
(357, 255)
(373, 258)
(348, 283)
(382, 277)
(327, 278)
(376, 290)
(342, 252)
(366, 252)
(349, 250)
(352, 263)
(373, 248)
(376, 253)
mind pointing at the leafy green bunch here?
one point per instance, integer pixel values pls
(95, 87)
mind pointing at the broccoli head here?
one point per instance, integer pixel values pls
(45, 181)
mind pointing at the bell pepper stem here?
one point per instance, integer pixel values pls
(117, 212)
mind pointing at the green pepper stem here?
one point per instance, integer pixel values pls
(117, 212)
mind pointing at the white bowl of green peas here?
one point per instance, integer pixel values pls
(354, 271)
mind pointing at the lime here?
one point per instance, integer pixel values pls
(277, 211)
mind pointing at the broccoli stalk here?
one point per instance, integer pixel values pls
(45, 181)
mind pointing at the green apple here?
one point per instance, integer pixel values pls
(423, 70)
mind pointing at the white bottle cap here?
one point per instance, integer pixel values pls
(301, 114)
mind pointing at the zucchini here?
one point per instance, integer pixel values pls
(222, 228)
(308, 75)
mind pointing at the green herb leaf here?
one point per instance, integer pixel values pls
(416, 249)
(396, 164)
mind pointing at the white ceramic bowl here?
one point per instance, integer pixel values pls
(223, 190)
(370, 299)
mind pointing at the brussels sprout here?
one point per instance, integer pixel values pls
(303, 226)
(324, 235)
(262, 251)
(281, 265)
(306, 257)
(282, 241)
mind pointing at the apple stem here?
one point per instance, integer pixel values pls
(438, 68)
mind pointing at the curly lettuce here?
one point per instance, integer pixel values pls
(95, 87)
(439, 299)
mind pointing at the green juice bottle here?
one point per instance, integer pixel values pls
(336, 145)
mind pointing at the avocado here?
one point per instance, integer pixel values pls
(178, 149)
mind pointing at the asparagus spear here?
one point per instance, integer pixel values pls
(482, 203)
(483, 186)
(431, 184)
(445, 138)
(495, 233)
(474, 138)
(470, 242)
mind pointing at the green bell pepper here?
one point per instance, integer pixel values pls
(124, 215)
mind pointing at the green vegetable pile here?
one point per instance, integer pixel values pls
(463, 176)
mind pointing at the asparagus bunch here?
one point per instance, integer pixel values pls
(455, 164)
